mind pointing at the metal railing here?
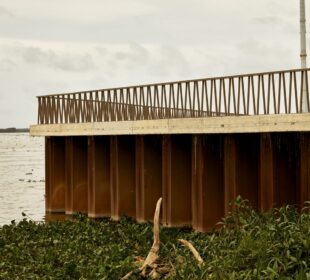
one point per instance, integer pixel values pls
(279, 92)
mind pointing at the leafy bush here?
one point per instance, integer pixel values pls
(249, 245)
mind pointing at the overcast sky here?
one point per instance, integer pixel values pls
(59, 46)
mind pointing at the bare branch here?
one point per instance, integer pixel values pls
(153, 253)
(192, 249)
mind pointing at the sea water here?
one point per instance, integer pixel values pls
(21, 177)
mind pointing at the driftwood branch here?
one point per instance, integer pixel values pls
(127, 276)
(189, 245)
(153, 253)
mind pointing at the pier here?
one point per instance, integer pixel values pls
(198, 144)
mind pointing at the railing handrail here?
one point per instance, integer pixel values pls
(266, 93)
(178, 82)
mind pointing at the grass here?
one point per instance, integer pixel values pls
(273, 245)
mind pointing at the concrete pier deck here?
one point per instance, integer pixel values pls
(207, 125)
(198, 144)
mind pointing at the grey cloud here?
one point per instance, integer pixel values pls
(4, 12)
(282, 7)
(250, 47)
(139, 52)
(121, 55)
(101, 50)
(266, 55)
(276, 21)
(267, 20)
(136, 53)
(33, 54)
(48, 49)
(59, 60)
(172, 62)
(68, 62)
(155, 62)
(7, 64)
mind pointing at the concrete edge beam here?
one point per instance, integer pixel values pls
(209, 125)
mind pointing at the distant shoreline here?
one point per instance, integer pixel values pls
(13, 130)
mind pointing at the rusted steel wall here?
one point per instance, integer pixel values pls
(286, 155)
(148, 175)
(55, 178)
(208, 194)
(99, 193)
(197, 175)
(76, 175)
(123, 198)
(304, 171)
(176, 180)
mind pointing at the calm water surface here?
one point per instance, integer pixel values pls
(21, 177)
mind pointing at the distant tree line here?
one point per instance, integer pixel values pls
(13, 129)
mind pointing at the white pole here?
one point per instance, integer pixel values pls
(303, 52)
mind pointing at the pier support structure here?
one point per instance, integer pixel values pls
(197, 175)
(198, 144)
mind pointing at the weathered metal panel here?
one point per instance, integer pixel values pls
(148, 175)
(208, 182)
(266, 190)
(99, 195)
(247, 167)
(286, 155)
(48, 175)
(304, 172)
(230, 180)
(114, 178)
(177, 180)
(123, 175)
(196, 184)
(69, 175)
(140, 189)
(166, 181)
(55, 171)
(76, 175)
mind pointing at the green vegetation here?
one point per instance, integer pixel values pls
(13, 130)
(274, 245)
